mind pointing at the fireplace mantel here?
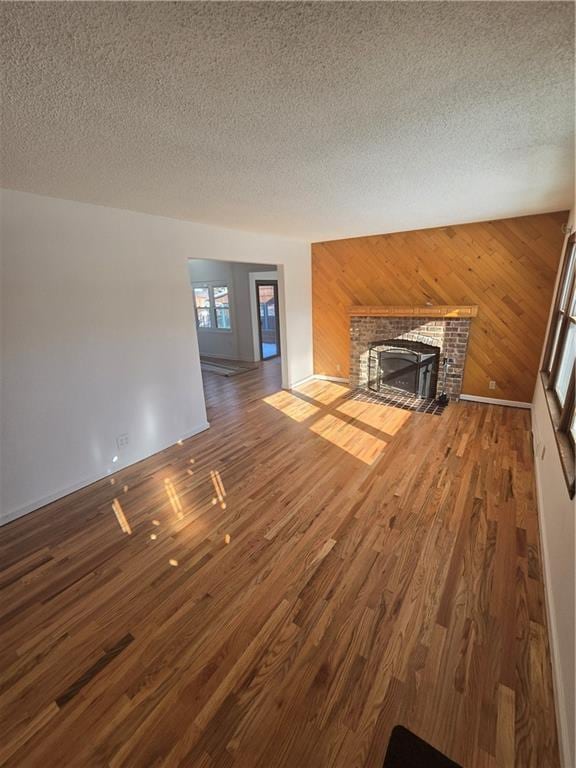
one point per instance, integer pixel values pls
(436, 310)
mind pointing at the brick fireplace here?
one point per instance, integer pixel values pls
(444, 328)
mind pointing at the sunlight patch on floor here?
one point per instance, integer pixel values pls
(218, 488)
(323, 391)
(121, 517)
(173, 498)
(381, 417)
(291, 406)
(349, 438)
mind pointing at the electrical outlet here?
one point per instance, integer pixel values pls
(122, 440)
(338, 367)
(491, 385)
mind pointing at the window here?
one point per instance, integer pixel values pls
(559, 362)
(222, 306)
(202, 304)
(212, 304)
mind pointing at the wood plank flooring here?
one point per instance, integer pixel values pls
(282, 590)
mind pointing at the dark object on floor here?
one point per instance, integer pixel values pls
(405, 750)
(397, 400)
(443, 399)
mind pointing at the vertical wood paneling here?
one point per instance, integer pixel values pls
(506, 267)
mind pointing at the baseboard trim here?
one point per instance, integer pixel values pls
(495, 401)
(33, 506)
(318, 377)
(339, 379)
(561, 715)
(294, 384)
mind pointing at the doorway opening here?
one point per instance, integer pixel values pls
(237, 308)
(268, 313)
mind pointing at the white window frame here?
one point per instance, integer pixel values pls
(209, 285)
(559, 352)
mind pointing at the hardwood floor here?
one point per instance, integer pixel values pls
(282, 590)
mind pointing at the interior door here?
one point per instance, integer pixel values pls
(268, 314)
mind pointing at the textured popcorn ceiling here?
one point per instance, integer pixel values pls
(311, 120)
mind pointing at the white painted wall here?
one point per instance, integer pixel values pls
(236, 344)
(98, 337)
(557, 514)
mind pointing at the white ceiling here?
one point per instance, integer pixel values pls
(310, 120)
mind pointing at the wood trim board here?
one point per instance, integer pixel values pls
(440, 310)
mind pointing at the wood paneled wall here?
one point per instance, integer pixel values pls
(506, 267)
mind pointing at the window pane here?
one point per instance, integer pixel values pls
(221, 296)
(204, 319)
(568, 356)
(222, 305)
(202, 297)
(202, 304)
(568, 281)
(267, 301)
(222, 317)
(556, 332)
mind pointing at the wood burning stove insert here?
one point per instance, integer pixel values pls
(403, 366)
